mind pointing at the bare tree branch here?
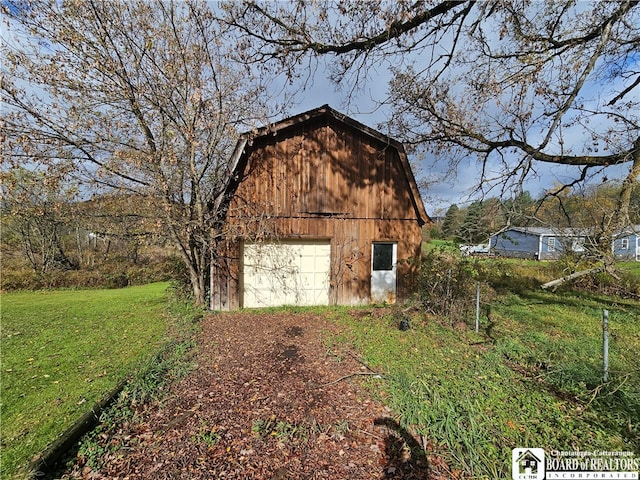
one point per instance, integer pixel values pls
(135, 96)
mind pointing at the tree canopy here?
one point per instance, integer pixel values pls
(134, 97)
(518, 86)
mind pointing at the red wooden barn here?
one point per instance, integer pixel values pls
(324, 211)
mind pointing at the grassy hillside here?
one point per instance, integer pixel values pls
(532, 377)
(64, 350)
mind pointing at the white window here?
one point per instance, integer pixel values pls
(624, 243)
(578, 244)
(551, 244)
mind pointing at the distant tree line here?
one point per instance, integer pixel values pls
(53, 237)
(557, 208)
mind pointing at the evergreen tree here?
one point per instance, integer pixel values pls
(452, 221)
(520, 209)
(470, 229)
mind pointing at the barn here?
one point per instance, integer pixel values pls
(323, 210)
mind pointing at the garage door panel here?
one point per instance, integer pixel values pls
(286, 273)
(319, 279)
(308, 264)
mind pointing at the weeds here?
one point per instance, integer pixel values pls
(341, 428)
(536, 383)
(262, 427)
(285, 431)
(207, 436)
(447, 285)
(282, 430)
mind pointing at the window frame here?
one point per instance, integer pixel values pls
(551, 244)
(386, 262)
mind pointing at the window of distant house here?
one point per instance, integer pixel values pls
(551, 244)
(578, 244)
(624, 244)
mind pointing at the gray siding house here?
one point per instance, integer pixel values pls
(538, 242)
(626, 244)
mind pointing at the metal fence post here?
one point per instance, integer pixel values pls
(605, 345)
(477, 306)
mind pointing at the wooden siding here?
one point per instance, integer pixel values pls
(323, 171)
(351, 242)
(325, 180)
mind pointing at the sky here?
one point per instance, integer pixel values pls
(442, 191)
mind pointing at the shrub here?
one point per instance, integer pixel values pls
(447, 285)
(114, 273)
(622, 284)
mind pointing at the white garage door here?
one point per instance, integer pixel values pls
(286, 273)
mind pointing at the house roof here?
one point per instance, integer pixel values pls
(325, 111)
(630, 230)
(553, 232)
(527, 454)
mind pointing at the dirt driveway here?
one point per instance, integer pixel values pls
(268, 400)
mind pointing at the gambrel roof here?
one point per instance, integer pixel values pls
(247, 139)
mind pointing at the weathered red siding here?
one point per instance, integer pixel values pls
(324, 179)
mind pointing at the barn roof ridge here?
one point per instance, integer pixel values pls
(324, 110)
(248, 137)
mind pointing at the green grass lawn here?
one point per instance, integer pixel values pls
(631, 267)
(62, 351)
(536, 381)
(448, 246)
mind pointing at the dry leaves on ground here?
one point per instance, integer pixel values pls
(268, 400)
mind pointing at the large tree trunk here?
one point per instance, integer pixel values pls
(197, 265)
(556, 283)
(198, 286)
(195, 259)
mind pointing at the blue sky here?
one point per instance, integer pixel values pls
(442, 191)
